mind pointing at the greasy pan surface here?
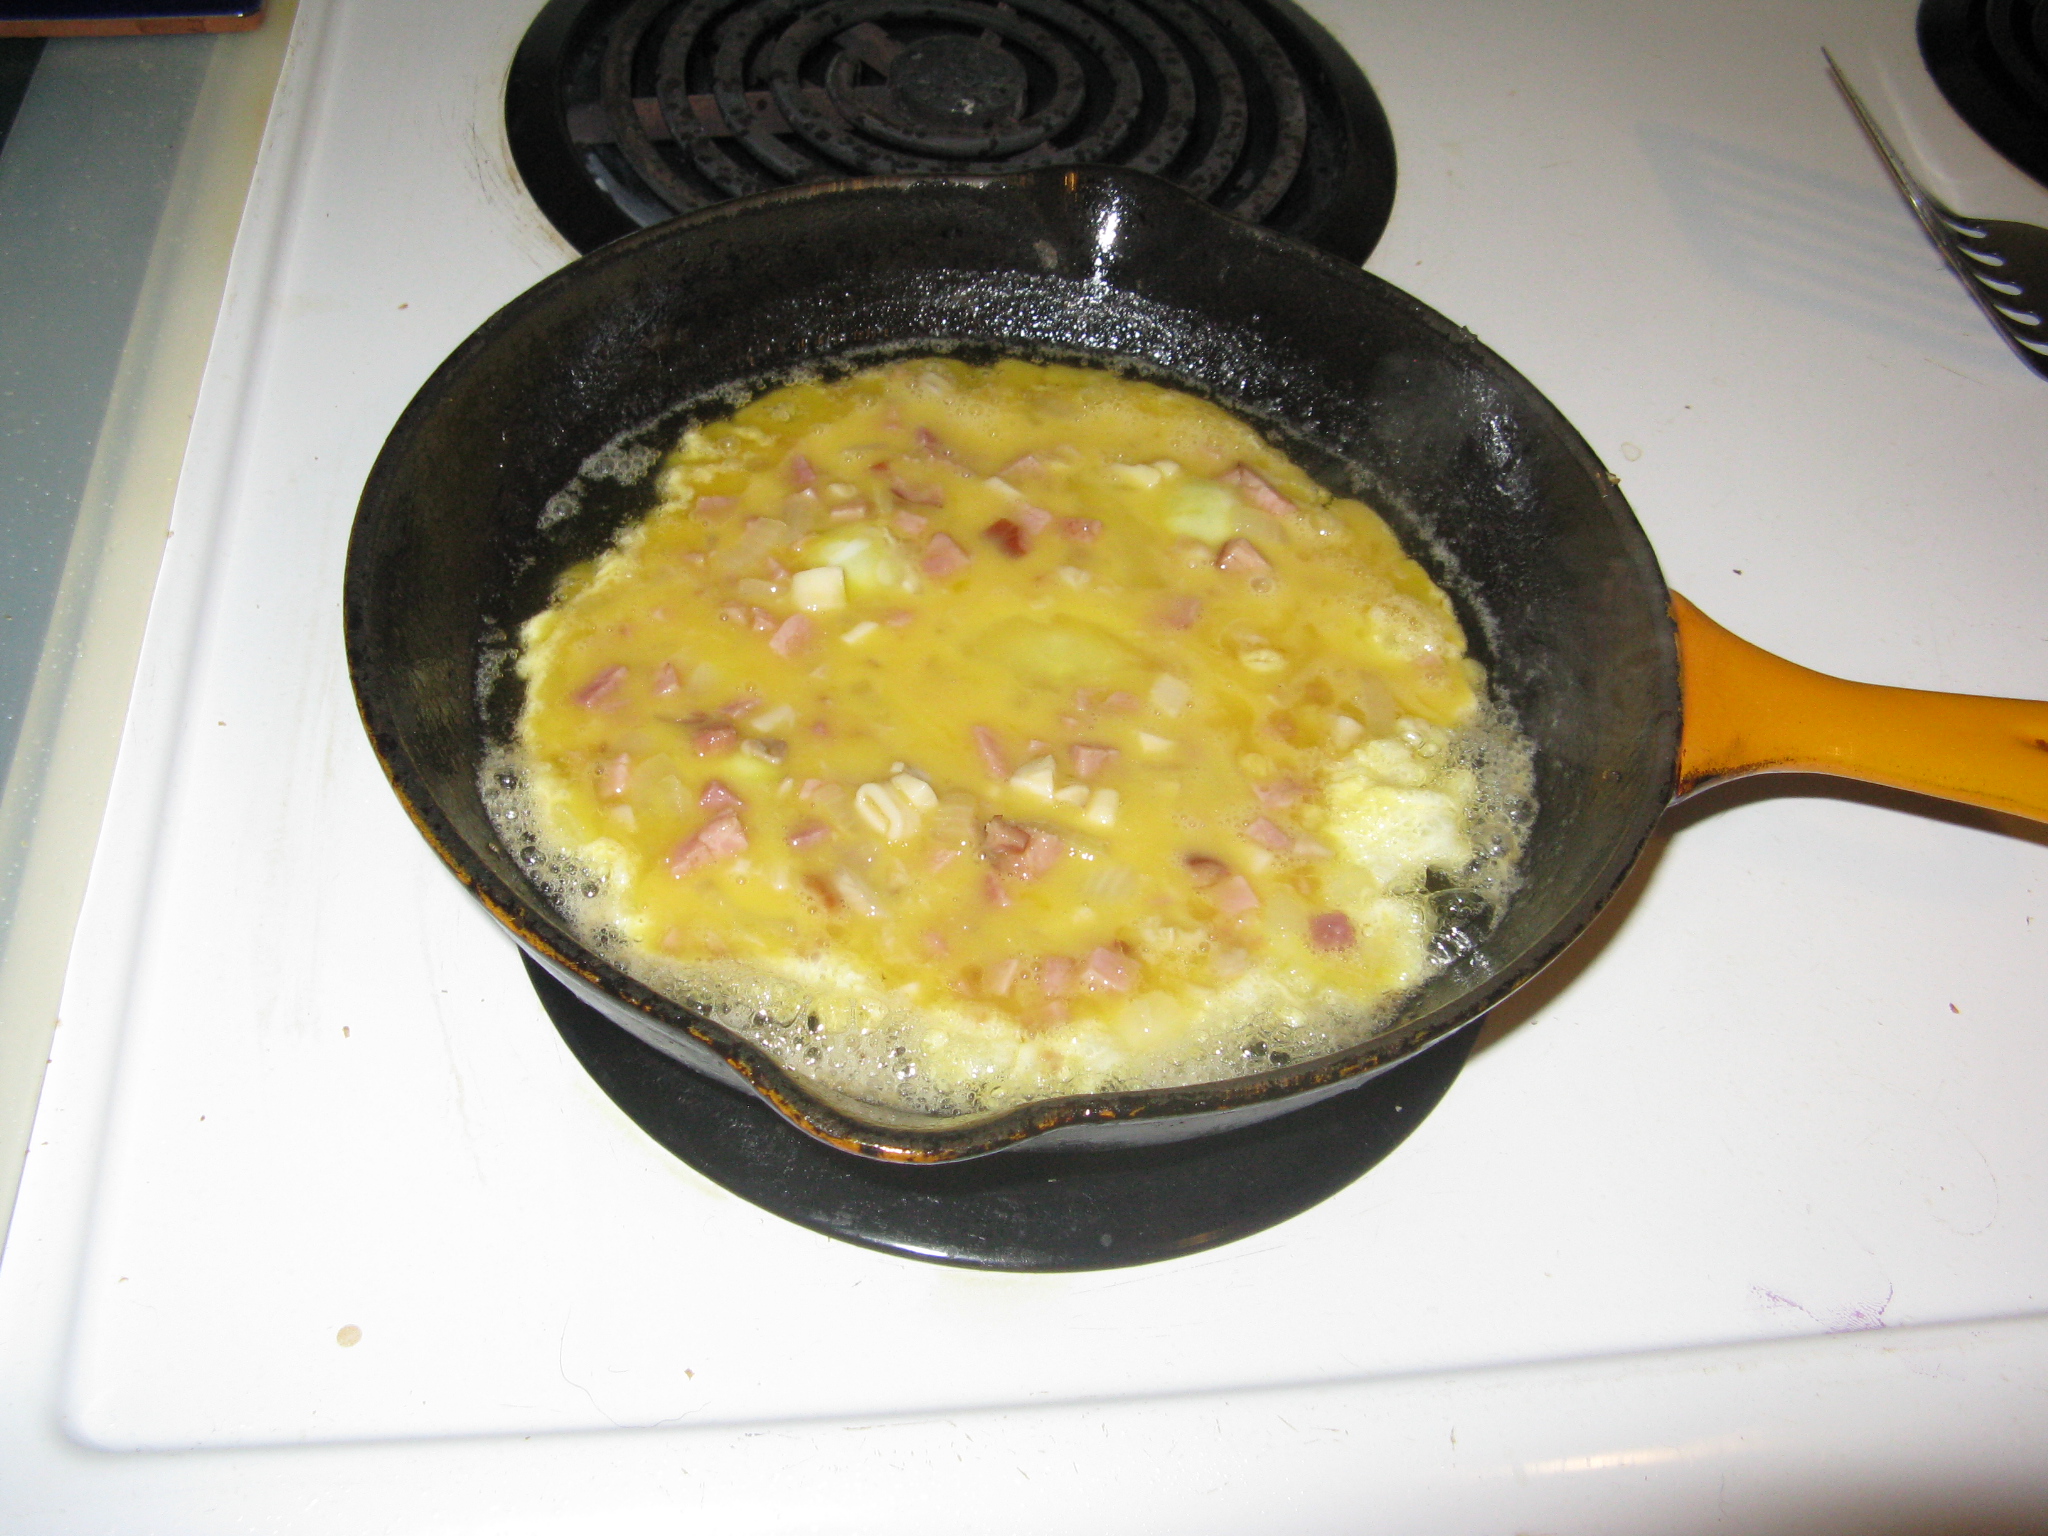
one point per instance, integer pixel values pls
(1382, 397)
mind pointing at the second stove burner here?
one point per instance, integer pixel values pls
(626, 112)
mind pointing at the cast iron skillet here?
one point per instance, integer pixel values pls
(462, 532)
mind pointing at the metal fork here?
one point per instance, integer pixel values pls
(2003, 265)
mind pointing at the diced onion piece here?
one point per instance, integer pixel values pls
(915, 791)
(773, 719)
(1101, 811)
(819, 589)
(860, 632)
(1036, 777)
(1344, 732)
(884, 811)
(1071, 794)
(1262, 658)
(1145, 476)
(1157, 746)
(1170, 695)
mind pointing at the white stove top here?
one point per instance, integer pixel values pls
(1737, 1219)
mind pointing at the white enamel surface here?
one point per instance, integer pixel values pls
(1789, 1089)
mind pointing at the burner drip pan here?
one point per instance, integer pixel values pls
(1028, 1211)
(623, 113)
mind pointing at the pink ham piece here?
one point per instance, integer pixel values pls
(1278, 794)
(1243, 555)
(794, 633)
(714, 506)
(910, 524)
(808, 834)
(666, 681)
(1258, 490)
(718, 796)
(1235, 895)
(1007, 537)
(991, 749)
(917, 495)
(992, 889)
(617, 774)
(1109, 970)
(1205, 871)
(1330, 930)
(933, 445)
(1120, 703)
(1033, 519)
(1039, 855)
(1269, 835)
(762, 620)
(801, 474)
(1082, 530)
(1055, 975)
(714, 740)
(897, 618)
(1181, 612)
(602, 691)
(1089, 759)
(1000, 837)
(720, 838)
(942, 557)
(1022, 467)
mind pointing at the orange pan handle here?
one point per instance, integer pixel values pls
(1747, 711)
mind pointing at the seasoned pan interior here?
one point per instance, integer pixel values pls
(456, 541)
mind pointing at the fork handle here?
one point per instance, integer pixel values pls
(1748, 711)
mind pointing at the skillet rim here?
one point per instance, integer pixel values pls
(1104, 1118)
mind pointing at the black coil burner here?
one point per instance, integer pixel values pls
(1990, 58)
(623, 113)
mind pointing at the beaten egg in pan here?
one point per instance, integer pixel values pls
(968, 735)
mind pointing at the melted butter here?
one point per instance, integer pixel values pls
(1028, 728)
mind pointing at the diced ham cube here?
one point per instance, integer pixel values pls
(1205, 871)
(897, 618)
(942, 557)
(1055, 975)
(1279, 794)
(666, 681)
(1081, 530)
(1032, 519)
(1007, 537)
(1259, 491)
(801, 474)
(997, 980)
(1000, 836)
(1242, 555)
(1089, 760)
(1181, 612)
(714, 506)
(808, 834)
(917, 495)
(993, 757)
(1120, 703)
(1267, 834)
(1330, 930)
(794, 633)
(1039, 856)
(616, 775)
(910, 524)
(720, 838)
(762, 620)
(993, 890)
(1110, 970)
(1235, 895)
(932, 444)
(602, 691)
(714, 740)
(1024, 466)
(718, 796)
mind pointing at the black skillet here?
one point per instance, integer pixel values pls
(1386, 400)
